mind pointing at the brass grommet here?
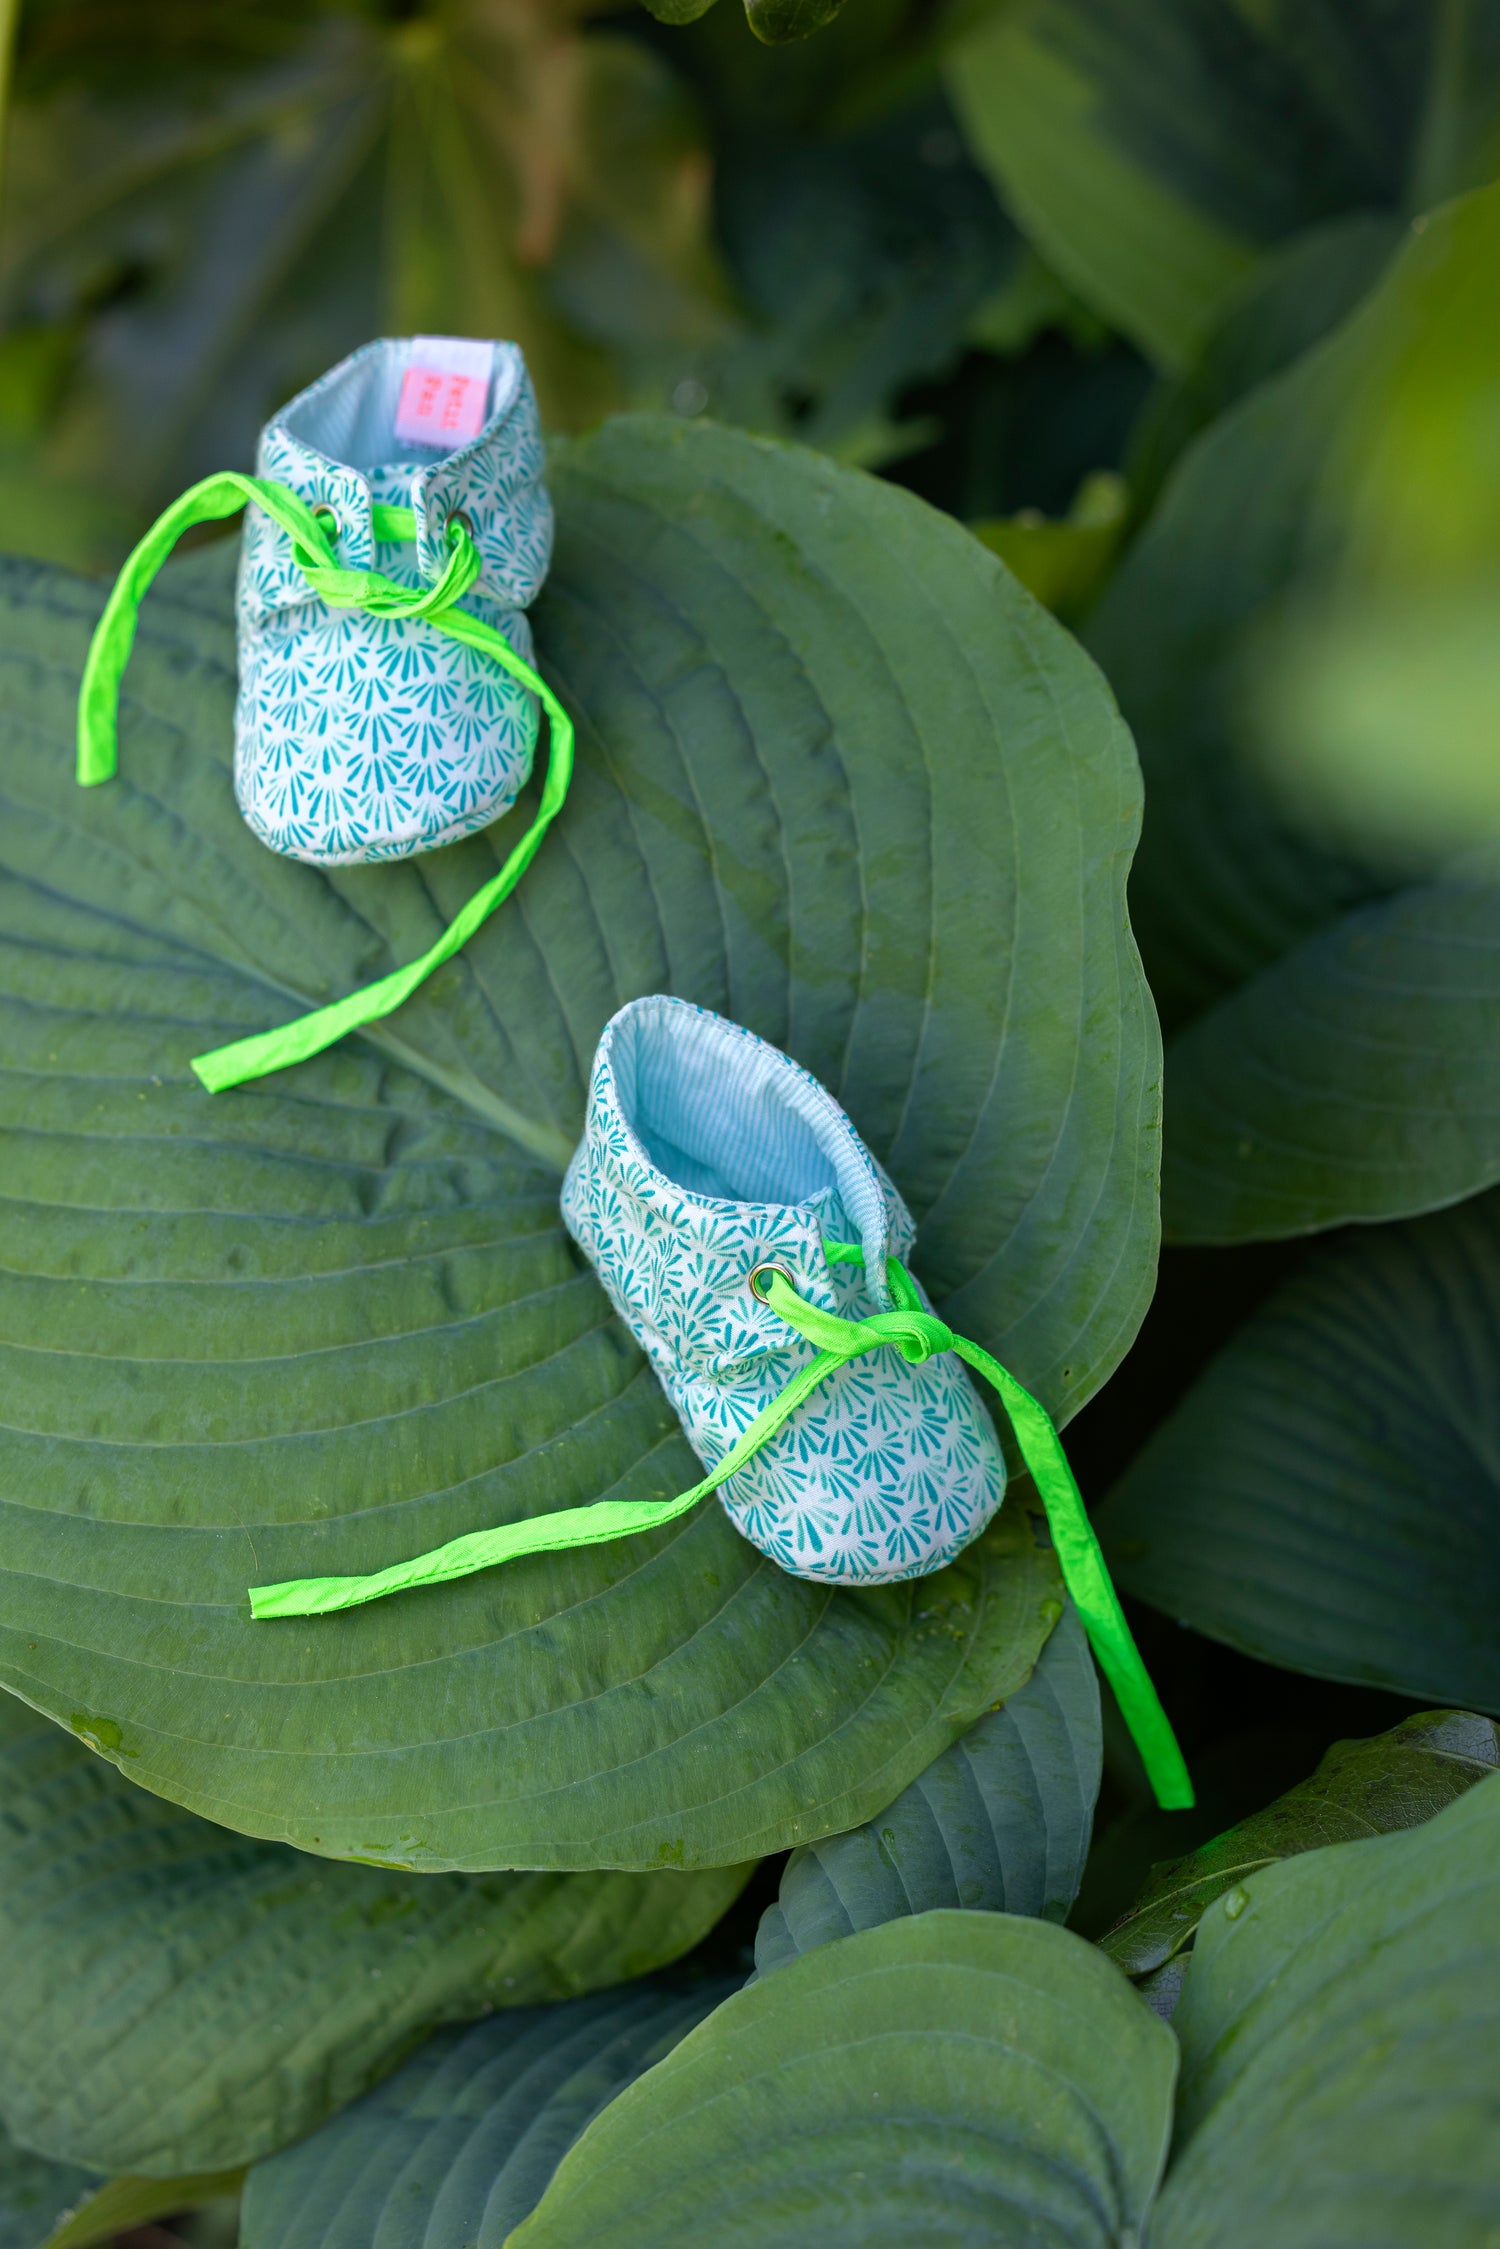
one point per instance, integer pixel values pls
(768, 1272)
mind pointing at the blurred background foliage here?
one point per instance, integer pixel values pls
(974, 243)
(204, 207)
(1015, 254)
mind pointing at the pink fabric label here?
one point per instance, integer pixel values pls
(439, 408)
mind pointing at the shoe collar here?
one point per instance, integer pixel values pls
(326, 444)
(698, 1119)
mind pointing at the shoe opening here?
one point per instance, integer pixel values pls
(349, 416)
(721, 1112)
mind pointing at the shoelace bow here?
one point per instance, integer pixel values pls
(918, 1335)
(378, 596)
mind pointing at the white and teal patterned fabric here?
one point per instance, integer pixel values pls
(361, 737)
(706, 1154)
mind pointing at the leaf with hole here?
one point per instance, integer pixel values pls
(840, 779)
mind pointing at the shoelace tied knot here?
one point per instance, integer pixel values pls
(914, 1331)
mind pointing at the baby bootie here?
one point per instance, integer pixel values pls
(398, 525)
(750, 1241)
(709, 1162)
(361, 736)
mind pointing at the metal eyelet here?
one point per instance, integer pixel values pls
(768, 1273)
(325, 515)
(462, 518)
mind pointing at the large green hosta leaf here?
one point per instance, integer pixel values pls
(1000, 1823)
(1326, 1496)
(951, 2078)
(1156, 148)
(838, 778)
(179, 1999)
(455, 2149)
(1339, 2030)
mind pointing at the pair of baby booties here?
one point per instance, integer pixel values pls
(716, 1180)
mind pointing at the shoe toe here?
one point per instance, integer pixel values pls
(362, 738)
(886, 1472)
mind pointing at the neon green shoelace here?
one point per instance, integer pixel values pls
(377, 596)
(917, 1334)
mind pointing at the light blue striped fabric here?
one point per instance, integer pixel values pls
(711, 1115)
(708, 1153)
